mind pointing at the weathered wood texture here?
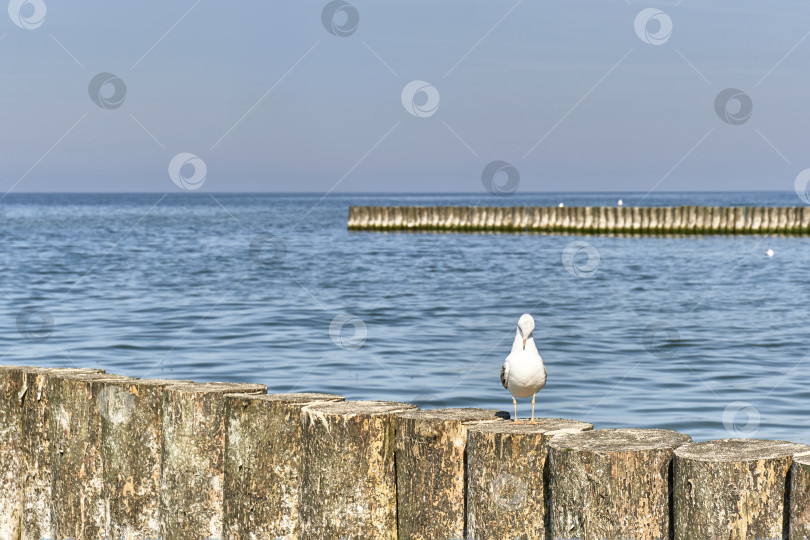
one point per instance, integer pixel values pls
(732, 488)
(587, 220)
(78, 510)
(193, 458)
(11, 435)
(507, 477)
(131, 436)
(36, 450)
(800, 497)
(263, 449)
(431, 483)
(612, 483)
(348, 487)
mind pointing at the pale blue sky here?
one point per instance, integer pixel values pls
(320, 112)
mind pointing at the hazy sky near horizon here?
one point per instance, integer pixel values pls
(576, 95)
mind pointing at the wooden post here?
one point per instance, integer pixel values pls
(612, 483)
(636, 213)
(348, 483)
(78, 510)
(791, 222)
(736, 220)
(732, 488)
(431, 450)
(506, 470)
(477, 218)
(263, 463)
(805, 220)
(764, 220)
(589, 221)
(800, 497)
(535, 216)
(676, 225)
(725, 225)
(131, 413)
(36, 449)
(648, 220)
(508, 222)
(667, 217)
(11, 449)
(601, 220)
(193, 455)
(611, 219)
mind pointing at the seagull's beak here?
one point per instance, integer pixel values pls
(524, 344)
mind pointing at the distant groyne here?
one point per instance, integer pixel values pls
(585, 219)
(86, 454)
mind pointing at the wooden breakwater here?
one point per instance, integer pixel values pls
(86, 455)
(585, 219)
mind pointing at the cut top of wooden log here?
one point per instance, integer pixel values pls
(349, 409)
(620, 440)
(463, 415)
(217, 387)
(739, 450)
(548, 427)
(297, 397)
(802, 458)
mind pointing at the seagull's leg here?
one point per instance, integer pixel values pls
(532, 420)
(514, 402)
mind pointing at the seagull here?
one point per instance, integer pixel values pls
(561, 205)
(523, 372)
(621, 202)
(769, 253)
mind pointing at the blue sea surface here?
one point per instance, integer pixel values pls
(706, 335)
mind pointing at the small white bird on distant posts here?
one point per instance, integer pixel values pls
(523, 372)
(621, 202)
(561, 205)
(769, 253)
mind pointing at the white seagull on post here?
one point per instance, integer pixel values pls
(523, 372)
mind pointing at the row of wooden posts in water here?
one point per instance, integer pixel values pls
(88, 455)
(585, 219)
